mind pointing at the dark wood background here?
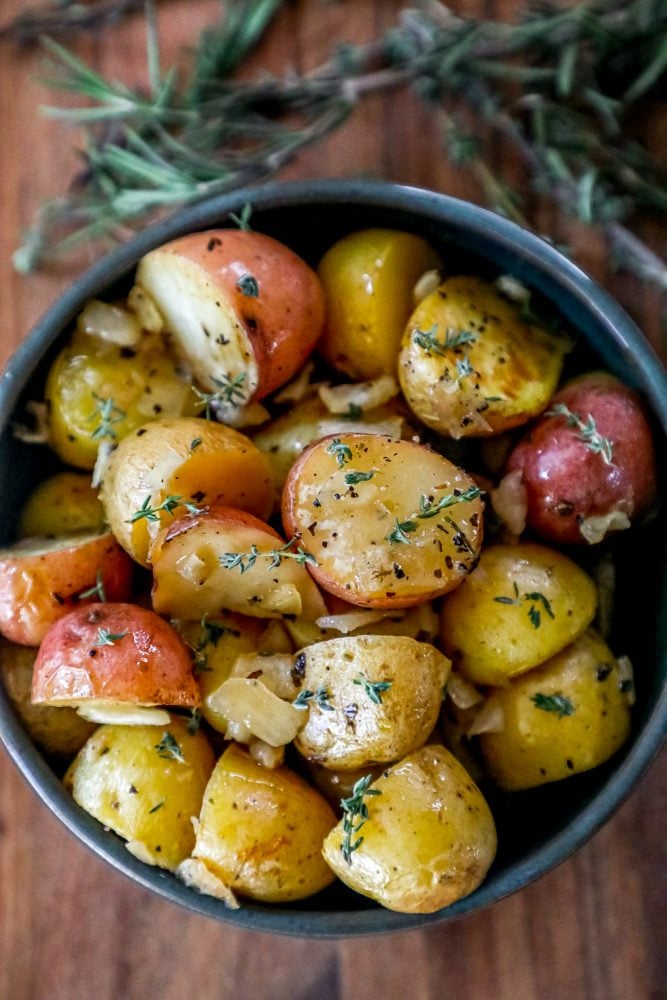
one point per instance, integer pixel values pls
(70, 927)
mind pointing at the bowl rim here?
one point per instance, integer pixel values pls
(431, 206)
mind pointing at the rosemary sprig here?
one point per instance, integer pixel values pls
(588, 432)
(168, 505)
(243, 561)
(65, 17)
(355, 814)
(429, 508)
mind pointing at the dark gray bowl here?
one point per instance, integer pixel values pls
(537, 829)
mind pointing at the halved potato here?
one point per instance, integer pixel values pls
(195, 461)
(61, 505)
(470, 366)
(522, 604)
(43, 579)
(370, 699)
(243, 310)
(145, 784)
(390, 523)
(428, 837)
(108, 655)
(226, 560)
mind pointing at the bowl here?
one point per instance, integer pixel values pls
(537, 829)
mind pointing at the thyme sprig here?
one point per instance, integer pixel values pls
(534, 599)
(107, 638)
(168, 505)
(106, 413)
(230, 390)
(429, 342)
(95, 591)
(355, 814)
(320, 698)
(428, 508)
(243, 561)
(588, 432)
(374, 689)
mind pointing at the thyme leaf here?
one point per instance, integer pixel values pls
(341, 452)
(428, 508)
(588, 432)
(558, 703)
(168, 505)
(320, 698)
(374, 689)
(352, 478)
(243, 561)
(169, 748)
(428, 340)
(106, 638)
(229, 391)
(355, 814)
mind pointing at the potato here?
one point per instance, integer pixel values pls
(41, 580)
(217, 643)
(390, 523)
(195, 461)
(145, 784)
(370, 699)
(285, 438)
(226, 560)
(419, 622)
(522, 604)
(63, 504)
(588, 466)
(113, 653)
(469, 366)
(59, 731)
(243, 310)
(260, 831)
(427, 840)
(369, 278)
(566, 716)
(99, 392)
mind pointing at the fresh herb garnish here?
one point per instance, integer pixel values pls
(248, 285)
(107, 415)
(194, 722)
(106, 638)
(354, 412)
(429, 508)
(534, 598)
(168, 505)
(229, 391)
(463, 369)
(243, 219)
(319, 697)
(97, 591)
(588, 432)
(169, 749)
(352, 478)
(246, 560)
(341, 452)
(558, 703)
(428, 340)
(355, 814)
(374, 689)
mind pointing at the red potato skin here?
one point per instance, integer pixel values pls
(565, 481)
(286, 319)
(226, 517)
(149, 665)
(38, 590)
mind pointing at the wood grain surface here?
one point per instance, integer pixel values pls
(72, 928)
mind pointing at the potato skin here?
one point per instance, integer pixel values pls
(368, 279)
(40, 581)
(147, 665)
(145, 796)
(199, 460)
(347, 526)
(492, 640)
(63, 504)
(280, 325)
(429, 838)
(59, 731)
(566, 481)
(536, 746)
(514, 367)
(357, 729)
(261, 831)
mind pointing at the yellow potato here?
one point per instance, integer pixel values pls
(373, 699)
(61, 505)
(100, 392)
(368, 279)
(428, 839)
(521, 604)
(197, 461)
(260, 831)
(145, 783)
(470, 366)
(59, 731)
(566, 716)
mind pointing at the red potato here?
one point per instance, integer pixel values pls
(227, 560)
(588, 465)
(110, 654)
(239, 305)
(41, 580)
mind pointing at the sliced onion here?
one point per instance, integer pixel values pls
(429, 281)
(512, 288)
(109, 323)
(250, 706)
(196, 875)
(39, 434)
(351, 620)
(104, 453)
(274, 672)
(489, 719)
(250, 415)
(596, 528)
(462, 692)
(298, 388)
(510, 502)
(119, 713)
(365, 395)
(144, 308)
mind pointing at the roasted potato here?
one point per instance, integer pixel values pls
(227, 560)
(416, 840)
(243, 310)
(370, 699)
(369, 279)
(59, 731)
(63, 504)
(108, 656)
(389, 523)
(260, 831)
(566, 716)
(145, 784)
(196, 462)
(469, 366)
(588, 466)
(41, 580)
(522, 604)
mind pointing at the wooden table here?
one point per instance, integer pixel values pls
(71, 928)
